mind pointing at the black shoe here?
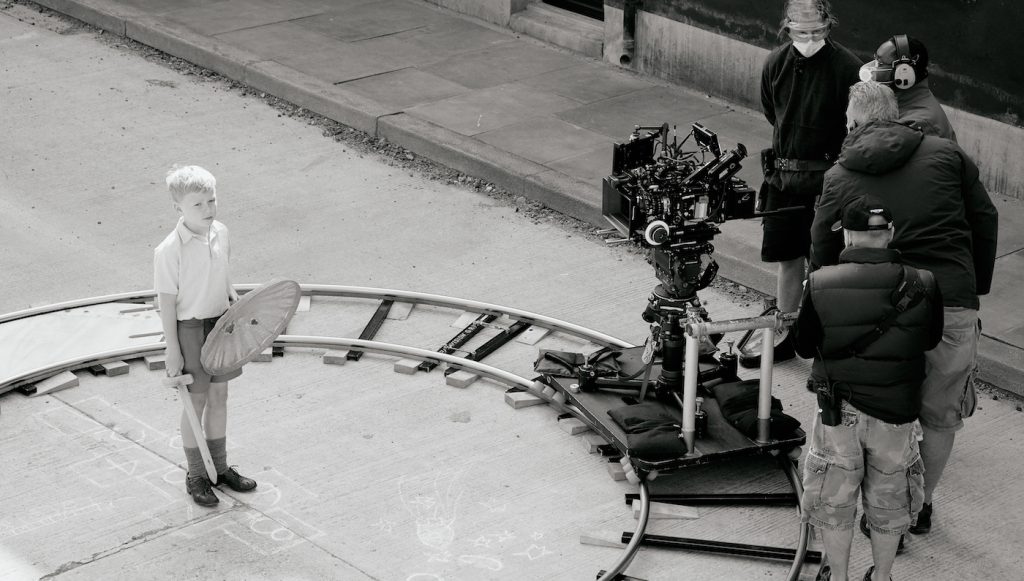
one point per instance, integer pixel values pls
(201, 491)
(824, 574)
(867, 576)
(784, 351)
(924, 520)
(867, 533)
(235, 481)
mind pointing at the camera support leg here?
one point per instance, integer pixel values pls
(764, 396)
(690, 385)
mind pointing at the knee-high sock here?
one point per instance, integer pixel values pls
(219, 454)
(196, 467)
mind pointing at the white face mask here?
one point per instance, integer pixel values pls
(810, 47)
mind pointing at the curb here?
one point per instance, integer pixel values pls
(1000, 364)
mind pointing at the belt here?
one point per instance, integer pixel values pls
(802, 164)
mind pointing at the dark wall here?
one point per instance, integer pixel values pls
(974, 45)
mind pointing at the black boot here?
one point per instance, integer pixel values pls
(201, 491)
(924, 520)
(235, 481)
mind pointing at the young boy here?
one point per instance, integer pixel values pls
(194, 289)
(867, 323)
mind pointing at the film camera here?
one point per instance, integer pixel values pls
(671, 201)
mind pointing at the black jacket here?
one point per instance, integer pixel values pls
(919, 108)
(805, 101)
(843, 303)
(945, 220)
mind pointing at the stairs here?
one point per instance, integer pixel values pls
(560, 28)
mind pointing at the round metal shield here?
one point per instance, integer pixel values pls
(249, 326)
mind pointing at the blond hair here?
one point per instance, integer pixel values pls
(190, 179)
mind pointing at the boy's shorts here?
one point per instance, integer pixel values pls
(191, 336)
(865, 454)
(786, 236)
(947, 394)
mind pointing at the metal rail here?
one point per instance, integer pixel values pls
(359, 292)
(634, 543)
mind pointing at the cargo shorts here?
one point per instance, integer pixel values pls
(948, 393)
(878, 460)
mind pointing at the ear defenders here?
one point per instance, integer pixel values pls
(903, 74)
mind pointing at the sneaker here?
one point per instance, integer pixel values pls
(824, 573)
(867, 533)
(235, 481)
(924, 520)
(871, 571)
(201, 491)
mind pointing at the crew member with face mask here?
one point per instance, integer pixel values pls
(901, 63)
(804, 87)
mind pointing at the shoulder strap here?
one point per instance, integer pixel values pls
(908, 292)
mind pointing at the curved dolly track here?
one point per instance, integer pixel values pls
(308, 341)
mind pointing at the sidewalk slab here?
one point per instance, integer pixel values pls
(311, 52)
(588, 82)
(617, 116)
(480, 111)
(219, 17)
(365, 21)
(543, 140)
(501, 64)
(437, 41)
(405, 88)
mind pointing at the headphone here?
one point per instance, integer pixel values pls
(903, 74)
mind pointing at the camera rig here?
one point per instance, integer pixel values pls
(671, 200)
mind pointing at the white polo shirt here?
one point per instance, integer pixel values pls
(195, 268)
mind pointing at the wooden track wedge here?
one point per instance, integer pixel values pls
(250, 326)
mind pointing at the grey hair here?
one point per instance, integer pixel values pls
(874, 101)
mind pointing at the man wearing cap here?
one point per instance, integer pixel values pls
(804, 85)
(867, 323)
(901, 63)
(946, 223)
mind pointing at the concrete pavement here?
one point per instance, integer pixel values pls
(346, 456)
(534, 119)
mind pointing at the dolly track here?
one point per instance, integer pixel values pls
(308, 341)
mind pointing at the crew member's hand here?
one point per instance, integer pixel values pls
(173, 362)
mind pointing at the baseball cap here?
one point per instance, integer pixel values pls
(857, 215)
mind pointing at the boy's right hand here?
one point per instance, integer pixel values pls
(173, 362)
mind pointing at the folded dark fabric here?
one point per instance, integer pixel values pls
(738, 402)
(642, 417)
(736, 396)
(652, 430)
(566, 364)
(782, 425)
(654, 445)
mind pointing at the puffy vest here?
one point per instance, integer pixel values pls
(884, 380)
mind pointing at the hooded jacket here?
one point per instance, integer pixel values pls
(945, 221)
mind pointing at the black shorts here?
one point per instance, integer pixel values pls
(786, 236)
